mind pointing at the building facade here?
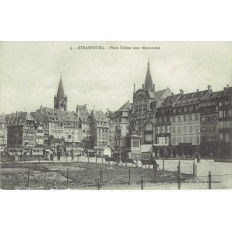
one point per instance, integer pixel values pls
(209, 124)
(21, 131)
(121, 121)
(145, 103)
(185, 134)
(83, 115)
(225, 126)
(99, 129)
(163, 121)
(3, 133)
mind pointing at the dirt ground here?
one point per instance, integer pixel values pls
(80, 175)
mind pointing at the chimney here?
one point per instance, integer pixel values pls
(209, 87)
(227, 85)
(181, 91)
(172, 94)
(197, 90)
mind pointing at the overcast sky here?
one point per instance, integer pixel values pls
(30, 71)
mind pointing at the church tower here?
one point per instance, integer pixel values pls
(149, 86)
(60, 100)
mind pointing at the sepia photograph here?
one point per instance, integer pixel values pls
(115, 115)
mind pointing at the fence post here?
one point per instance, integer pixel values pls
(88, 159)
(163, 164)
(178, 176)
(194, 170)
(155, 172)
(98, 183)
(67, 178)
(141, 182)
(179, 165)
(96, 159)
(28, 179)
(209, 180)
(101, 176)
(129, 176)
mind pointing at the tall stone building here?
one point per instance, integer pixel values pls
(21, 129)
(145, 103)
(163, 126)
(83, 115)
(225, 126)
(99, 130)
(3, 133)
(60, 100)
(121, 121)
(209, 123)
(185, 133)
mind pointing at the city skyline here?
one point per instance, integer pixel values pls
(30, 71)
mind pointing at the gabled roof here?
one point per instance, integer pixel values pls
(126, 107)
(98, 115)
(169, 101)
(190, 98)
(55, 115)
(212, 95)
(82, 113)
(18, 118)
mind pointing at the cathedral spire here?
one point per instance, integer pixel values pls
(60, 92)
(148, 80)
(60, 100)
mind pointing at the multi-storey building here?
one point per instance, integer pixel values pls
(121, 122)
(21, 133)
(39, 134)
(110, 115)
(145, 103)
(225, 126)
(3, 133)
(99, 130)
(162, 146)
(209, 123)
(60, 125)
(185, 132)
(83, 114)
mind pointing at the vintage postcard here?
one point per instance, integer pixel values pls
(115, 115)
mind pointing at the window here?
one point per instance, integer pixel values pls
(190, 129)
(221, 114)
(179, 118)
(162, 129)
(184, 118)
(185, 109)
(185, 129)
(191, 108)
(190, 117)
(148, 127)
(173, 119)
(168, 129)
(179, 129)
(173, 129)
(179, 140)
(220, 136)
(190, 139)
(174, 140)
(185, 139)
(196, 117)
